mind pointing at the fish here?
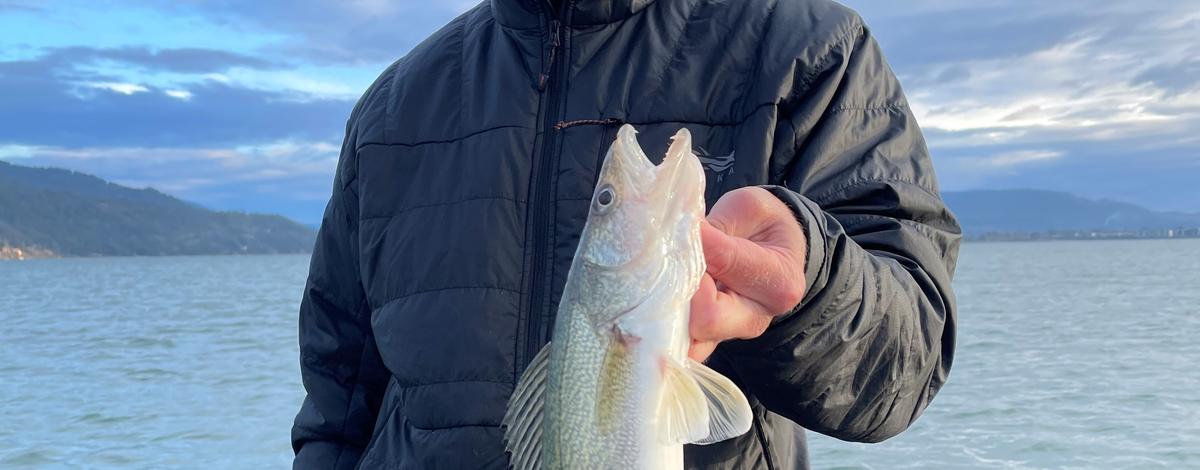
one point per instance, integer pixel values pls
(614, 388)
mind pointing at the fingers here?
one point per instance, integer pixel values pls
(754, 249)
(700, 350)
(741, 212)
(718, 315)
(750, 270)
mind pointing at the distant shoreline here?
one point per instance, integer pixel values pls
(1086, 235)
(15, 253)
(8, 253)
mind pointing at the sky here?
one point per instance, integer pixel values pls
(242, 105)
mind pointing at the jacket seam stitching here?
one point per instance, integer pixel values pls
(837, 299)
(439, 289)
(354, 386)
(675, 48)
(892, 108)
(443, 141)
(368, 457)
(840, 45)
(736, 122)
(356, 312)
(820, 66)
(411, 386)
(918, 226)
(392, 92)
(762, 40)
(322, 292)
(456, 426)
(439, 204)
(462, 65)
(823, 198)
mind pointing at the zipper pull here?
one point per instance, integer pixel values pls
(555, 33)
(555, 42)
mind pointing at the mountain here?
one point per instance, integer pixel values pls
(1034, 211)
(56, 212)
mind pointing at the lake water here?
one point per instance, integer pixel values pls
(1070, 355)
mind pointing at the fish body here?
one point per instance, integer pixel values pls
(614, 388)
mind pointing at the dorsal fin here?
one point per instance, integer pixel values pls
(523, 419)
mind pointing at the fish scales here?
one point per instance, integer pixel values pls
(614, 388)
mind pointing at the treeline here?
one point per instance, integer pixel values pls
(62, 213)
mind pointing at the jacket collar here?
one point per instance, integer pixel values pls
(526, 14)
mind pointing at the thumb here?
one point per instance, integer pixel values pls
(725, 254)
(756, 272)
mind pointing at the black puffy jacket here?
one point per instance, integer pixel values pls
(465, 179)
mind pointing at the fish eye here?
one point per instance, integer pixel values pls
(605, 198)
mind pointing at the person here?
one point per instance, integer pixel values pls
(467, 172)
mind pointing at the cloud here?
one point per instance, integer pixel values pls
(1029, 72)
(1178, 77)
(17, 6)
(925, 33)
(179, 94)
(14, 152)
(189, 60)
(181, 60)
(291, 177)
(62, 105)
(358, 32)
(1097, 98)
(1083, 84)
(122, 88)
(1021, 157)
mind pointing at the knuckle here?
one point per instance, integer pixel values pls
(761, 327)
(755, 201)
(703, 321)
(723, 262)
(756, 327)
(788, 297)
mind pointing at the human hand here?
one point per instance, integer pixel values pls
(755, 251)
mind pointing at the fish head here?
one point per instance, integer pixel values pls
(643, 224)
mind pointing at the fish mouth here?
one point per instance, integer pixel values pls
(671, 173)
(629, 162)
(679, 179)
(632, 169)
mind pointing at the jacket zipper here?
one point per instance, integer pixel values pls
(542, 198)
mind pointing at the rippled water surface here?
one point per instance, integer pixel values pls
(1071, 355)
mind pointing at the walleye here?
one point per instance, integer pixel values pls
(615, 389)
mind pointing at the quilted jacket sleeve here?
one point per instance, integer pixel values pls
(339, 362)
(871, 343)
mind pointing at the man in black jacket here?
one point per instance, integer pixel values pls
(467, 172)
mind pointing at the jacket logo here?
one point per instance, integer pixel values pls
(720, 165)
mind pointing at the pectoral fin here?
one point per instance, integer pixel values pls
(729, 411)
(523, 419)
(683, 410)
(700, 406)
